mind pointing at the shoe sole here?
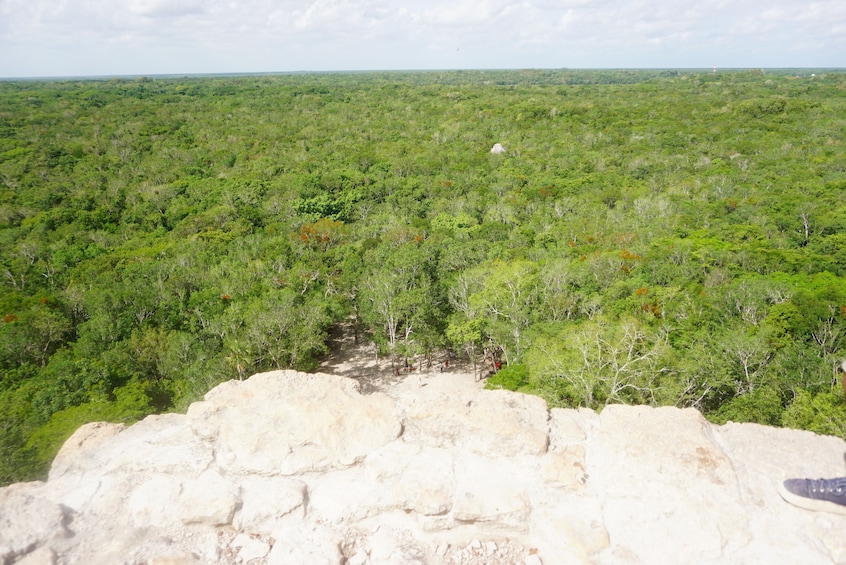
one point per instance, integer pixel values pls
(810, 503)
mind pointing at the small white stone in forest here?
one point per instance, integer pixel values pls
(497, 149)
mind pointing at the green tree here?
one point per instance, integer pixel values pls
(507, 302)
(398, 294)
(598, 362)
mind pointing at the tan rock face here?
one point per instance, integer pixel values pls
(86, 438)
(495, 424)
(288, 467)
(27, 520)
(284, 423)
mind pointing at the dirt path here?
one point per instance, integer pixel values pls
(359, 361)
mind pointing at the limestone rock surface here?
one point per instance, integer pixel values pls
(295, 468)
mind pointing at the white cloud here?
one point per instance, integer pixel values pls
(464, 13)
(340, 17)
(166, 8)
(47, 37)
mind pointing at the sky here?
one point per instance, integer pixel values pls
(59, 38)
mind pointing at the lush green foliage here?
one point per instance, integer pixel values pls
(651, 237)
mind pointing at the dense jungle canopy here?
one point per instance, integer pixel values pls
(661, 237)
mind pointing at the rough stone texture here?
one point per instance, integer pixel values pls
(301, 468)
(27, 520)
(268, 503)
(85, 439)
(495, 424)
(284, 423)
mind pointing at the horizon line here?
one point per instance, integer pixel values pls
(376, 71)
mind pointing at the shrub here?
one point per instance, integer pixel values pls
(510, 377)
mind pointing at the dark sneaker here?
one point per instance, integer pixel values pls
(828, 495)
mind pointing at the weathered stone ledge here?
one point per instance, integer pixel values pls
(288, 467)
